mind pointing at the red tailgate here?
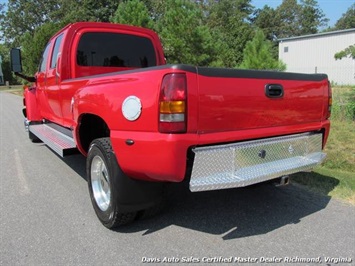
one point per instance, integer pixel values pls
(232, 99)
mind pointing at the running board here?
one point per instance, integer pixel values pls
(60, 143)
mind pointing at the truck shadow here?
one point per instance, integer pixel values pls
(234, 213)
(231, 213)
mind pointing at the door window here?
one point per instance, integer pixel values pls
(55, 53)
(44, 59)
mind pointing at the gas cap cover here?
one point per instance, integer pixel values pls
(131, 108)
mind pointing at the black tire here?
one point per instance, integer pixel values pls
(104, 179)
(33, 137)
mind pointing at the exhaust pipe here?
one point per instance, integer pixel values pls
(283, 181)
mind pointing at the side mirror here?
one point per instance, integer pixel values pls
(16, 63)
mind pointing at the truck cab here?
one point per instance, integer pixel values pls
(87, 49)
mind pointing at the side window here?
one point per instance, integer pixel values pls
(57, 43)
(43, 64)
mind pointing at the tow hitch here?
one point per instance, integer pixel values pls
(283, 181)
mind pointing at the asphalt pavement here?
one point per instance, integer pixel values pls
(46, 217)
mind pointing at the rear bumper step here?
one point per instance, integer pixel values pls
(251, 162)
(60, 143)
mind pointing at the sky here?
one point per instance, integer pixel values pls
(333, 9)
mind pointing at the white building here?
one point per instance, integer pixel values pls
(315, 54)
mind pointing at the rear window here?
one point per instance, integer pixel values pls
(115, 50)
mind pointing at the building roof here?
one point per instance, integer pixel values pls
(316, 35)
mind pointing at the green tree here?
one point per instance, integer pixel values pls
(6, 68)
(257, 54)
(25, 16)
(347, 52)
(101, 11)
(311, 17)
(347, 20)
(230, 23)
(133, 13)
(266, 20)
(156, 8)
(184, 36)
(288, 15)
(22, 16)
(34, 44)
(299, 19)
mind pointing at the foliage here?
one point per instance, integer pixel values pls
(230, 22)
(209, 32)
(25, 16)
(265, 19)
(257, 54)
(181, 29)
(343, 108)
(289, 19)
(33, 46)
(133, 13)
(288, 16)
(311, 17)
(347, 20)
(102, 10)
(6, 69)
(299, 19)
(347, 52)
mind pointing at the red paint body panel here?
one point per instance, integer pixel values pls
(228, 104)
(229, 107)
(32, 111)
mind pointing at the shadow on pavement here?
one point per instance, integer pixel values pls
(232, 213)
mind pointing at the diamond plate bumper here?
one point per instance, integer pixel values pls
(246, 163)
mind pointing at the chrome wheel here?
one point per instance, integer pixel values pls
(100, 183)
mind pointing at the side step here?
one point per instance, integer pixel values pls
(60, 143)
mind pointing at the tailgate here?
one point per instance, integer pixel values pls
(232, 99)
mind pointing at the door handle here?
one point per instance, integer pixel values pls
(274, 90)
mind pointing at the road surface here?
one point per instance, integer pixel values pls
(47, 217)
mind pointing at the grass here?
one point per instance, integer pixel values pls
(336, 176)
(15, 89)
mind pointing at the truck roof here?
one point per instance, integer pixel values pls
(105, 25)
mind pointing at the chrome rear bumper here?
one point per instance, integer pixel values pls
(246, 163)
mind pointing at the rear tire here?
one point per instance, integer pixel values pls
(103, 174)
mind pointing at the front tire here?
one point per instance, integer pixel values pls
(103, 174)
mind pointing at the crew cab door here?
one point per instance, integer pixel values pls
(48, 88)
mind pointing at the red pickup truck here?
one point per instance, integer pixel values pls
(105, 90)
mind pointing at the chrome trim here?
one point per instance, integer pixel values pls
(250, 162)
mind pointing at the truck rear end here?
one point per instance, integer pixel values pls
(254, 126)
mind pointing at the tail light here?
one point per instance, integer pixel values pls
(172, 104)
(330, 100)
